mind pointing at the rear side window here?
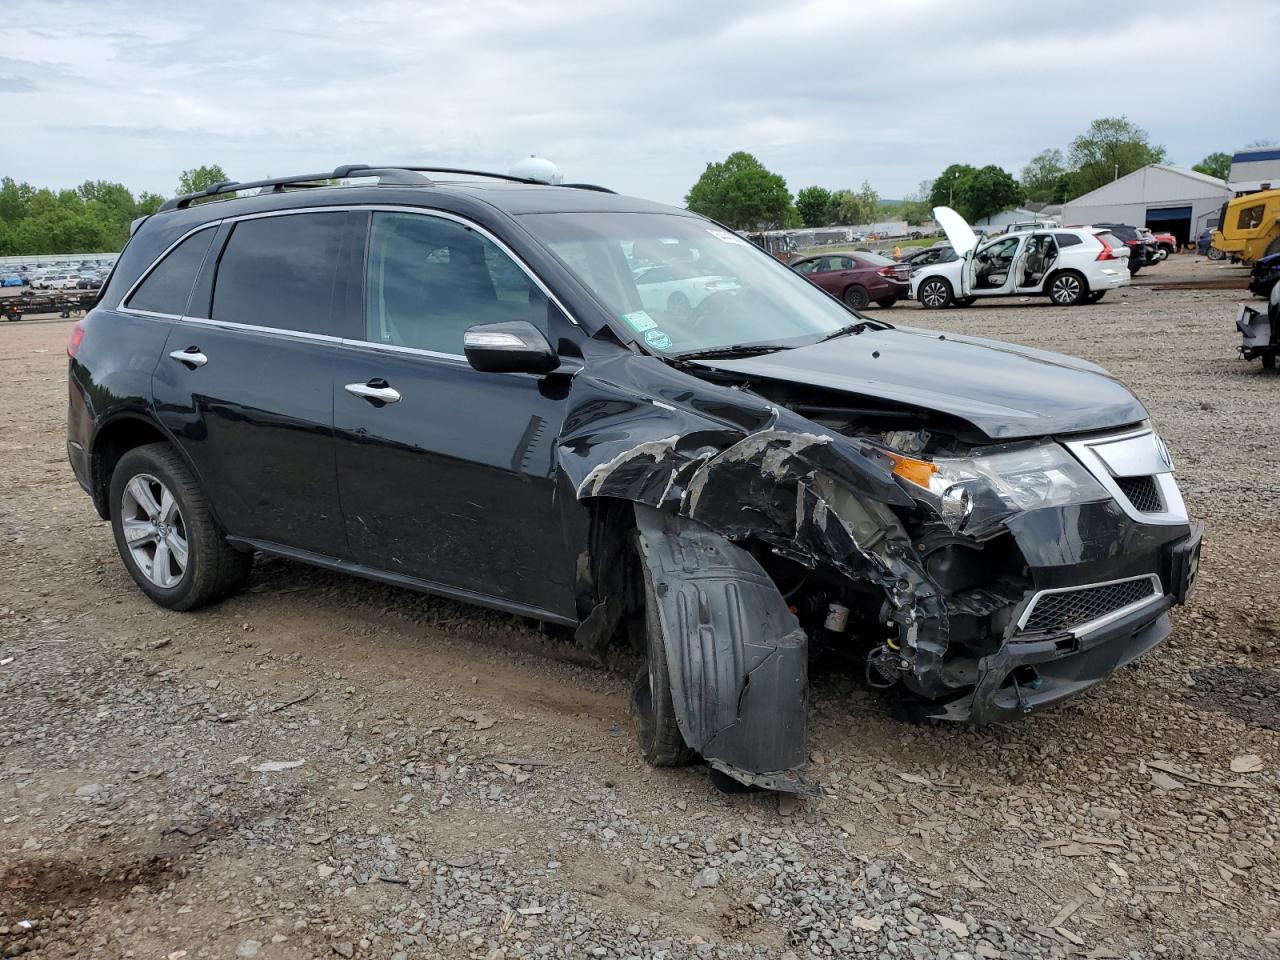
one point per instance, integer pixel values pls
(1067, 239)
(428, 279)
(1111, 240)
(280, 271)
(168, 287)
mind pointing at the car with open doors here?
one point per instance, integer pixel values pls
(451, 382)
(1070, 266)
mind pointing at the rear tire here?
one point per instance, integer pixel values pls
(1216, 254)
(652, 710)
(934, 294)
(166, 535)
(856, 297)
(1068, 288)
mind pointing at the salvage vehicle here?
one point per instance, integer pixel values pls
(675, 288)
(1069, 266)
(1264, 276)
(450, 383)
(857, 278)
(1260, 330)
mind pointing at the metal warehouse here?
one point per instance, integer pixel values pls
(1181, 202)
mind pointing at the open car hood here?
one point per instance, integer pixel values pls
(1005, 391)
(957, 229)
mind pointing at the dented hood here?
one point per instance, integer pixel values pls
(1006, 391)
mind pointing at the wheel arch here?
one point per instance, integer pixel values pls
(1059, 271)
(112, 440)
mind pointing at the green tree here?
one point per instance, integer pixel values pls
(988, 191)
(1109, 149)
(1215, 165)
(740, 192)
(1042, 176)
(148, 203)
(948, 189)
(854, 207)
(816, 206)
(200, 178)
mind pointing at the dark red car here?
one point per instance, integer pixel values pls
(857, 278)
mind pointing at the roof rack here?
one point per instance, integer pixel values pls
(390, 174)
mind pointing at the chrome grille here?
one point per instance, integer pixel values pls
(1142, 492)
(1073, 608)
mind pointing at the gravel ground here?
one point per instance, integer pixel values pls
(324, 766)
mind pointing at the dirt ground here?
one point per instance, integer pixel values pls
(453, 782)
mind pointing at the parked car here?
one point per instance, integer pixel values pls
(927, 256)
(676, 288)
(92, 282)
(1264, 276)
(1166, 244)
(857, 278)
(1141, 250)
(1069, 266)
(11, 281)
(992, 528)
(1024, 226)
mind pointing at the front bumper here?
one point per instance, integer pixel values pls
(1025, 676)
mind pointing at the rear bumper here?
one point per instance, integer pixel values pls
(1109, 278)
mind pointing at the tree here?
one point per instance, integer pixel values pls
(740, 192)
(92, 218)
(1215, 165)
(1109, 149)
(816, 206)
(987, 192)
(1042, 176)
(859, 206)
(200, 178)
(949, 186)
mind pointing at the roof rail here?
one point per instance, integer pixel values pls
(390, 174)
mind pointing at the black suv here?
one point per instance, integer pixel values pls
(458, 386)
(1141, 248)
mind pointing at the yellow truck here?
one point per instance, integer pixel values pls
(1249, 227)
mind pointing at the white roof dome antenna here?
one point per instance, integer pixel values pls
(534, 167)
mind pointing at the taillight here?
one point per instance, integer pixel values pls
(74, 340)
(1106, 253)
(890, 273)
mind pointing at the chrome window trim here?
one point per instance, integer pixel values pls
(255, 328)
(142, 278)
(347, 208)
(1157, 593)
(396, 348)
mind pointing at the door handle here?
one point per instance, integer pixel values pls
(376, 391)
(190, 356)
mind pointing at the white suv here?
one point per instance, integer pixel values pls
(1068, 266)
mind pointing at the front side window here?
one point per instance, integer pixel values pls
(168, 287)
(428, 279)
(725, 291)
(279, 272)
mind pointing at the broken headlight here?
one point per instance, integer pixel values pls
(974, 494)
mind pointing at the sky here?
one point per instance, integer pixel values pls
(637, 96)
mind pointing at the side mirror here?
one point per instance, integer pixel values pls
(513, 347)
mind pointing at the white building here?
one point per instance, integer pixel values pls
(1254, 168)
(1166, 199)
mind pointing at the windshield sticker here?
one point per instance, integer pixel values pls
(725, 236)
(657, 339)
(640, 321)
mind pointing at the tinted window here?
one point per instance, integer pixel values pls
(279, 272)
(429, 279)
(168, 286)
(1067, 239)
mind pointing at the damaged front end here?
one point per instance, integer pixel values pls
(978, 580)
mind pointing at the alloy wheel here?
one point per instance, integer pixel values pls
(1066, 290)
(934, 294)
(154, 530)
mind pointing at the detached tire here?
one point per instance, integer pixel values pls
(1068, 289)
(165, 532)
(856, 297)
(652, 710)
(934, 294)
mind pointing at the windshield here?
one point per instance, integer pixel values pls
(682, 284)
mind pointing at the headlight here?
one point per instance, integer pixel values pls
(973, 494)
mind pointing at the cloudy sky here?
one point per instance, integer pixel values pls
(638, 96)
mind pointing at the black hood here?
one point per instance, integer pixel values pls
(1006, 391)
